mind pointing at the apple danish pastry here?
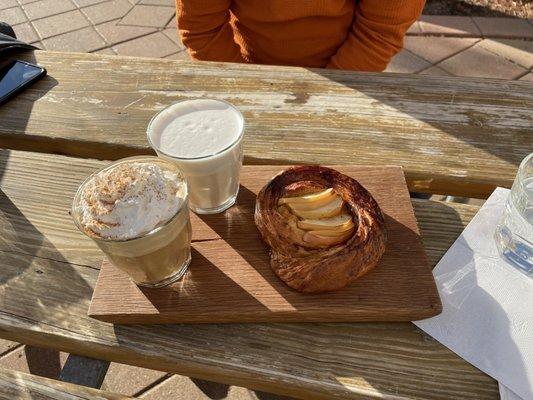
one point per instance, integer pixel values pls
(325, 230)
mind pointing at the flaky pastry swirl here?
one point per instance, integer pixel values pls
(306, 268)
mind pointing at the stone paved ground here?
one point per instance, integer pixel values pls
(436, 45)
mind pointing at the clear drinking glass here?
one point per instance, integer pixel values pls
(514, 234)
(156, 258)
(213, 179)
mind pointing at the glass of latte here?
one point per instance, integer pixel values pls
(136, 210)
(204, 137)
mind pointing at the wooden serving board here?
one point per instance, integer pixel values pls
(230, 280)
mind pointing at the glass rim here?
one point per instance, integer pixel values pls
(75, 200)
(149, 130)
(520, 178)
(524, 162)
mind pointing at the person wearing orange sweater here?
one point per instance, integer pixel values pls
(343, 34)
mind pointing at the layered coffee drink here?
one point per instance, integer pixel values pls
(204, 137)
(136, 210)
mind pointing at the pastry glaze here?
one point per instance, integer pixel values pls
(311, 269)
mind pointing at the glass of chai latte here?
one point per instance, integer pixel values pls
(136, 210)
(204, 138)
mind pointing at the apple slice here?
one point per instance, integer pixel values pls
(309, 201)
(328, 233)
(339, 223)
(324, 241)
(331, 209)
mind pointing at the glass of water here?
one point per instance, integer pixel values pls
(514, 235)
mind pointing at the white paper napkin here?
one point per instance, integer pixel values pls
(507, 394)
(487, 316)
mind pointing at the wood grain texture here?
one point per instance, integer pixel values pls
(230, 280)
(452, 135)
(18, 385)
(48, 271)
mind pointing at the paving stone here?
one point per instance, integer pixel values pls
(7, 345)
(153, 16)
(60, 23)
(107, 11)
(435, 49)
(8, 4)
(114, 33)
(478, 62)
(129, 380)
(170, 3)
(86, 3)
(83, 41)
(182, 55)
(25, 32)
(13, 16)
(518, 51)
(407, 62)
(153, 45)
(528, 77)
(435, 71)
(173, 35)
(37, 361)
(414, 29)
(27, 1)
(448, 25)
(504, 27)
(173, 23)
(45, 8)
(107, 51)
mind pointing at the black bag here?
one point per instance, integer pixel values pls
(8, 41)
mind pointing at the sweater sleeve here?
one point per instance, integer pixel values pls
(205, 30)
(376, 34)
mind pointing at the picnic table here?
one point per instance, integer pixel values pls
(452, 136)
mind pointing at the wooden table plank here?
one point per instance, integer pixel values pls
(18, 385)
(452, 135)
(45, 296)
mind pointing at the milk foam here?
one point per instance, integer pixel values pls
(196, 128)
(129, 200)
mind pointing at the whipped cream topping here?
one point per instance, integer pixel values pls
(129, 200)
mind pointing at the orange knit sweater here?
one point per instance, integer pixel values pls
(344, 34)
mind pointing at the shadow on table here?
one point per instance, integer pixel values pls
(27, 258)
(204, 286)
(237, 228)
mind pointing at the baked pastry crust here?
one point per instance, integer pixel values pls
(306, 268)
